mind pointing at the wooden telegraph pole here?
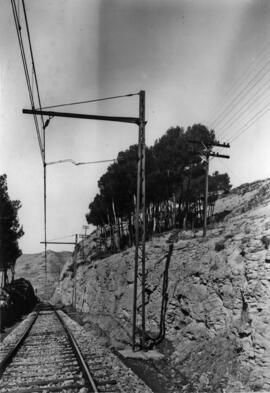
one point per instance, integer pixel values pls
(206, 153)
(205, 202)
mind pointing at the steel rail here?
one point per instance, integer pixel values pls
(84, 366)
(12, 352)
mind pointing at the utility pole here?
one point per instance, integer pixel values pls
(45, 207)
(205, 202)
(85, 227)
(140, 226)
(141, 243)
(82, 245)
(75, 273)
(206, 153)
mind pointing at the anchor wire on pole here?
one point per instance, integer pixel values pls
(89, 101)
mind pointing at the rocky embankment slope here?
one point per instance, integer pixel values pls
(31, 267)
(218, 312)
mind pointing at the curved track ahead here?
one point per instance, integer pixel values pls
(46, 358)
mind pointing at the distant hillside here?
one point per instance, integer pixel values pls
(244, 198)
(32, 268)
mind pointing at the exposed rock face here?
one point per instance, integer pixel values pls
(218, 315)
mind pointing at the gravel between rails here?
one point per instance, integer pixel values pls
(110, 374)
(45, 362)
(101, 359)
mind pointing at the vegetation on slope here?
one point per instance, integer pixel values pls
(10, 230)
(175, 182)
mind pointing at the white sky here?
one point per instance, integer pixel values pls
(186, 55)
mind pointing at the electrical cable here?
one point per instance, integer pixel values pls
(89, 101)
(236, 115)
(241, 111)
(243, 77)
(32, 58)
(41, 145)
(245, 89)
(44, 139)
(18, 5)
(28, 82)
(63, 237)
(253, 120)
(250, 122)
(78, 163)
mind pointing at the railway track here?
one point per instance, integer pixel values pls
(47, 358)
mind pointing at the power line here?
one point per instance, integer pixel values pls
(244, 107)
(251, 121)
(30, 91)
(241, 111)
(244, 76)
(89, 101)
(43, 126)
(261, 94)
(240, 82)
(25, 66)
(32, 58)
(250, 85)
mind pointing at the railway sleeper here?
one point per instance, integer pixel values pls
(106, 382)
(109, 389)
(44, 368)
(98, 367)
(41, 374)
(69, 362)
(61, 389)
(46, 356)
(45, 382)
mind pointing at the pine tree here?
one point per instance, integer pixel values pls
(10, 230)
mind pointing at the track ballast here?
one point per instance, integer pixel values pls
(47, 358)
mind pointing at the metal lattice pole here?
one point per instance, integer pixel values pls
(45, 209)
(140, 224)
